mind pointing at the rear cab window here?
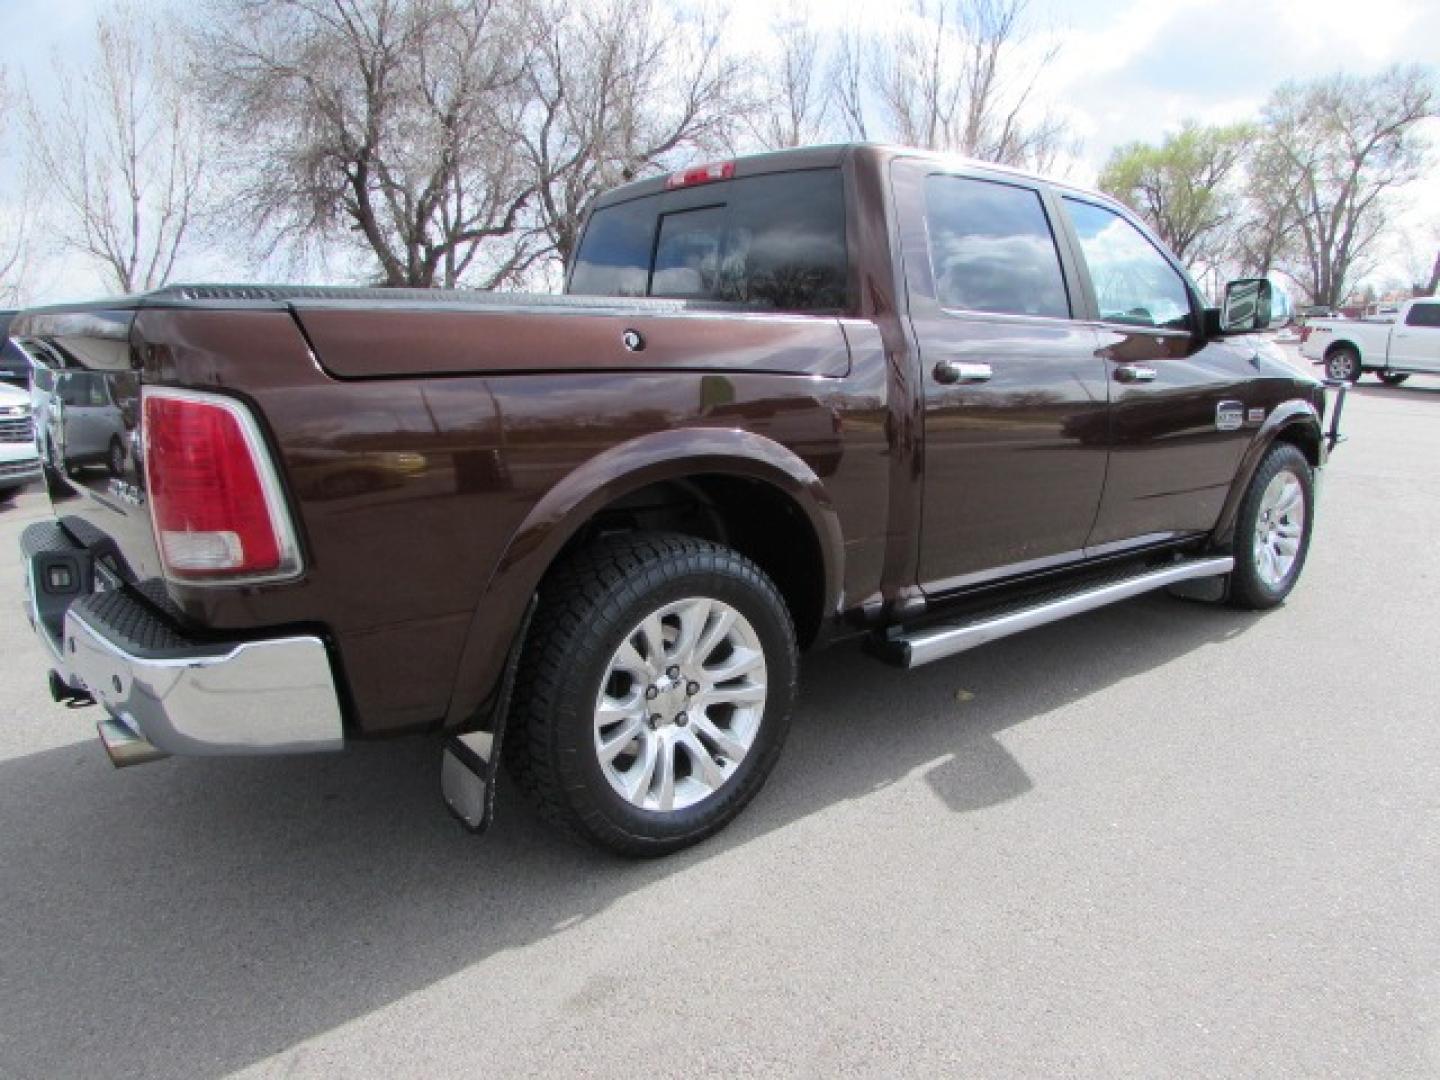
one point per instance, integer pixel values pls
(771, 242)
(1423, 315)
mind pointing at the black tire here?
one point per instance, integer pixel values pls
(1248, 587)
(1392, 378)
(8, 494)
(1343, 362)
(115, 457)
(588, 606)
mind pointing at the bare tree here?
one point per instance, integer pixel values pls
(385, 124)
(796, 104)
(1341, 145)
(1419, 256)
(953, 76)
(1184, 188)
(14, 215)
(846, 82)
(121, 152)
(1266, 233)
(617, 89)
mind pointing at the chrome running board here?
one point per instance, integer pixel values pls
(946, 639)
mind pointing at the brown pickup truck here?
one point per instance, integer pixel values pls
(787, 399)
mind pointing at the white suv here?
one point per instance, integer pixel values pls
(19, 463)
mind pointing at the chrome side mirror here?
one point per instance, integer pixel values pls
(1247, 306)
(1253, 304)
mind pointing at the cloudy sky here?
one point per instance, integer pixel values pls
(1126, 70)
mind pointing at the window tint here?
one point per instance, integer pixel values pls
(1133, 282)
(774, 241)
(1423, 315)
(991, 249)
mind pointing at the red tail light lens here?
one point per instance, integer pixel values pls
(216, 503)
(1304, 334)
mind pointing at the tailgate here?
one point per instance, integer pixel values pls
(85, 393)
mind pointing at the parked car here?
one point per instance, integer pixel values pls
(789, 399)
(19, 464)
(1393, 348)
(14, 365)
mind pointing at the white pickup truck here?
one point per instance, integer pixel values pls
(1395, 348)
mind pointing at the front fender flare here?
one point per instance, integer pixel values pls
(1289, 414)
(612, 474)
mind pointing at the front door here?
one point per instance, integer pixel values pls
(1014, 395)
(1415, 343)
(1183, 409)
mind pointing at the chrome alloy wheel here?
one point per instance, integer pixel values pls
(1279, 528)
(680, 704)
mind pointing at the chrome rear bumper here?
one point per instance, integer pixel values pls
(275, 696)
(168, 694)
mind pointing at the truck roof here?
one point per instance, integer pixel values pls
(829, 156)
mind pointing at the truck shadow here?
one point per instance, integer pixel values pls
(1423, 390)
(194, 917)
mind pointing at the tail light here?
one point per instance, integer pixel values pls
(1304, 334)
(216, 503)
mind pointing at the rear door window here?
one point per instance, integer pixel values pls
(992, 250)
(775, 241)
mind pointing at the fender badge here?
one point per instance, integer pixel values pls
(1256, 416)
(1229, 415)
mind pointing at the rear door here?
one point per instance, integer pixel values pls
(1415, 343)
(1014, 396)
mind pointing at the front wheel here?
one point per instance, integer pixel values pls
(1272, 530)
(654, 693)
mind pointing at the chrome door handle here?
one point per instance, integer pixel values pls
(954, 371)
(1135, 373)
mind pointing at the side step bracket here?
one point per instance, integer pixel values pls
(934, 642)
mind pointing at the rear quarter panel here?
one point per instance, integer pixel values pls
(412, 493)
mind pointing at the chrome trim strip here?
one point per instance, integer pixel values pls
(1116, 547)
(274, 696)
(979, 577)
(934, 644)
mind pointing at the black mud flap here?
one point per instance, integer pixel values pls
(470, 761)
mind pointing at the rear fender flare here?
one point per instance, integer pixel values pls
(610, 475)
(1290, 414)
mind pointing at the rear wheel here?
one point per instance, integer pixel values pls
(1272, 530)
(1393, 378)
(1343, 362)
(654, 693)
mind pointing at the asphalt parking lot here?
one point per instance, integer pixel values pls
(1163, 839)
